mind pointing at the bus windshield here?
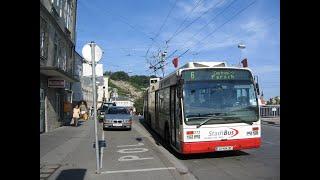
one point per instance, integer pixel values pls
(223, 101)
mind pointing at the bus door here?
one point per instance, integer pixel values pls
(174, 123)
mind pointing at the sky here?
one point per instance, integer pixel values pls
(130, 32)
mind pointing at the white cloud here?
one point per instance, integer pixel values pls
(252, 26)
(202, 7)
(266, 69)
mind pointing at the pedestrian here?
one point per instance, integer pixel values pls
(83, 111)
(92, 111)
(75, 116)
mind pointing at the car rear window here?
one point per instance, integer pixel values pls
(118, 111)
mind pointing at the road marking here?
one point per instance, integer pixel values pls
(137, 170)
(133, 150)
(139, 144)
(132, 158)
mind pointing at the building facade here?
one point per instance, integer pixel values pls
(103, 92)
(57, 54)
(82, 90)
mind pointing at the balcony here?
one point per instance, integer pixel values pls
(52, 71)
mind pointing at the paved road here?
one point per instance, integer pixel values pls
(135, 155)
(262, 163)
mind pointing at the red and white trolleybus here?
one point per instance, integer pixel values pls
(205, 107)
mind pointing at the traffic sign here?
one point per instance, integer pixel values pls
(86, 52)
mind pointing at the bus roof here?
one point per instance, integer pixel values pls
(203, 64)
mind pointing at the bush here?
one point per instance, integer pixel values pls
(120, 75)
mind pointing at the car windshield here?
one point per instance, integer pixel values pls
(118, 111)
(220, 101)
(104, 108)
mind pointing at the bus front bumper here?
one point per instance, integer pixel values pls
(210, 146)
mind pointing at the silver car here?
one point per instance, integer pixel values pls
(117, 117)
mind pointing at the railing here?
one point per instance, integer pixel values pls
(270, 111)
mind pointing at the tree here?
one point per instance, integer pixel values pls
(107, 73)
(119, 75)
(138, 104)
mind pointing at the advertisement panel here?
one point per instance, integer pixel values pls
(56, 83)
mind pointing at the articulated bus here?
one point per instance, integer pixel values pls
(205, 107)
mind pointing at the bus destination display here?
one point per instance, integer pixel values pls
(216, 74)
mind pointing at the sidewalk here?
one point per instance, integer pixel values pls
(58, 145)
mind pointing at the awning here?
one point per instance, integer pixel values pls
(56, 72)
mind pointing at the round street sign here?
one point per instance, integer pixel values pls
(86, 52)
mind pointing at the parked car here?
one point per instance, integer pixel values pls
(101, 112)
(104, 107)
(117, 117)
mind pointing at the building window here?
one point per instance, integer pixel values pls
(63, 64)
(58, 5)
(56, 50)
(43, 39)
(67, 13)
(60, 56)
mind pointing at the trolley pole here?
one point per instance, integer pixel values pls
(92, 44)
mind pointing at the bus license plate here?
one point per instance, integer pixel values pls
(224, 148)
(117, 124)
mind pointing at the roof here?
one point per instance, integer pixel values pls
(204, 64)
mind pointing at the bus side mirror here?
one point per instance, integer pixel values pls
(256, 80)
(257, 87)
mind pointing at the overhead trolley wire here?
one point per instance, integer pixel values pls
(212, 32)
(124, 20)
(185, 19)
(196, 19)
(251, 28)
(221, 12)
(160, 29)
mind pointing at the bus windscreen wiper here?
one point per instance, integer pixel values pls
(247, 122)
(209, 119)
(226, 118)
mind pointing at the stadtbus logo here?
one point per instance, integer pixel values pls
(227, 133)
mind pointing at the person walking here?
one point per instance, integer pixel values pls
(83, 111)
(75, 116)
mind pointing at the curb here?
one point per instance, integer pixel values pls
(180, 167)
(270, 122)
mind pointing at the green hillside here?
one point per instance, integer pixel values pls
(129, 86)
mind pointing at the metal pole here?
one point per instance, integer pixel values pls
(94, 103)
(101, 150)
